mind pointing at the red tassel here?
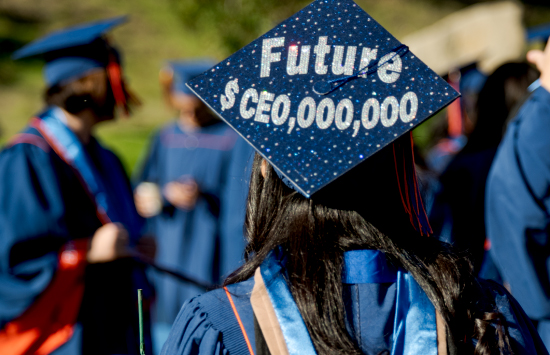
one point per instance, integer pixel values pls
(414, 208)
(115, 79)
(418, 196)
(398, 182)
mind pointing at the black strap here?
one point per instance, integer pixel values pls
(261, 345)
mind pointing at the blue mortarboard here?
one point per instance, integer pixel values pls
(183, 71)
(72, 52)
(322, 92)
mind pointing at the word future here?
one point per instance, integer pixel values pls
(387, 72)
(267, 107)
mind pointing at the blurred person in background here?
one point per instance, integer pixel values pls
(459, 212)
(450, 135)
(67, 217)
(191, 188)
(518, 202)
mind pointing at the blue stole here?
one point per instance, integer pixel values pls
(414, 329)
(66, 144)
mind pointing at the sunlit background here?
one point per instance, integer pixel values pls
(161, 30)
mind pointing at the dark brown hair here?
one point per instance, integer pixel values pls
(361, 210)
(503, 91)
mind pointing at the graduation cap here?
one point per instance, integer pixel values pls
(74, 52)
(180, 72)
(322, 92)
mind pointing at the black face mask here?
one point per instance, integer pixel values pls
(75, 104)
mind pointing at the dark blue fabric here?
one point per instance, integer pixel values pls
(367, 266)
(232, 241)
(370, 310)
(525, 339)
(458, 214)
(190, 241)
(42, 206)
(206, 322)
(511, 211)
(515, 223)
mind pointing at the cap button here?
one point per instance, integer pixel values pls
(322, 87)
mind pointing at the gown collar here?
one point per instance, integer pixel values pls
(414, 330)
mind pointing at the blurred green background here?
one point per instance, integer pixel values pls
(160, 30)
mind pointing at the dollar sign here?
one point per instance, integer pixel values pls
(228, 100)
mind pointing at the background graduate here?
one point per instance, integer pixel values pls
(340, 258)
(518, 202)
(460, 202)
(68, 221)
(189, 186)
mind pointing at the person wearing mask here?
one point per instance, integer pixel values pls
(69, 226)
(189, 189)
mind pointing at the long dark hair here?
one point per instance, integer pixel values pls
(315, 232)
(504, 90)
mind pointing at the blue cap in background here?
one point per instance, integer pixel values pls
(73, 52)
(184, 71)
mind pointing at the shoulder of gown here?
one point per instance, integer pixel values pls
(32, 228)
(524, 337)
(146, 169)
(207, 325)
(513, 217)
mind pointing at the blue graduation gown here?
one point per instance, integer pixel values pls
(192, 241)
(206, 324)
(43, 206)
(232, 242)
(515, 222)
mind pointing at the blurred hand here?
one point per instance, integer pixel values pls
(148, 199)
(542, 60)
(110, 242)
(183, 195)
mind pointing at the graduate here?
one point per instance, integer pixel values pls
(462, 191)
(340, 259)
(188, 187)
(68, 222)
(518, 203)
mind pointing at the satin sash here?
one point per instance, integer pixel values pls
(415, 330)
(367, 267)
(414, 326)
(292, 325)
(67, 145)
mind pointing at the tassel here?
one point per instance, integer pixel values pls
(409, 189)
(115, 79)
